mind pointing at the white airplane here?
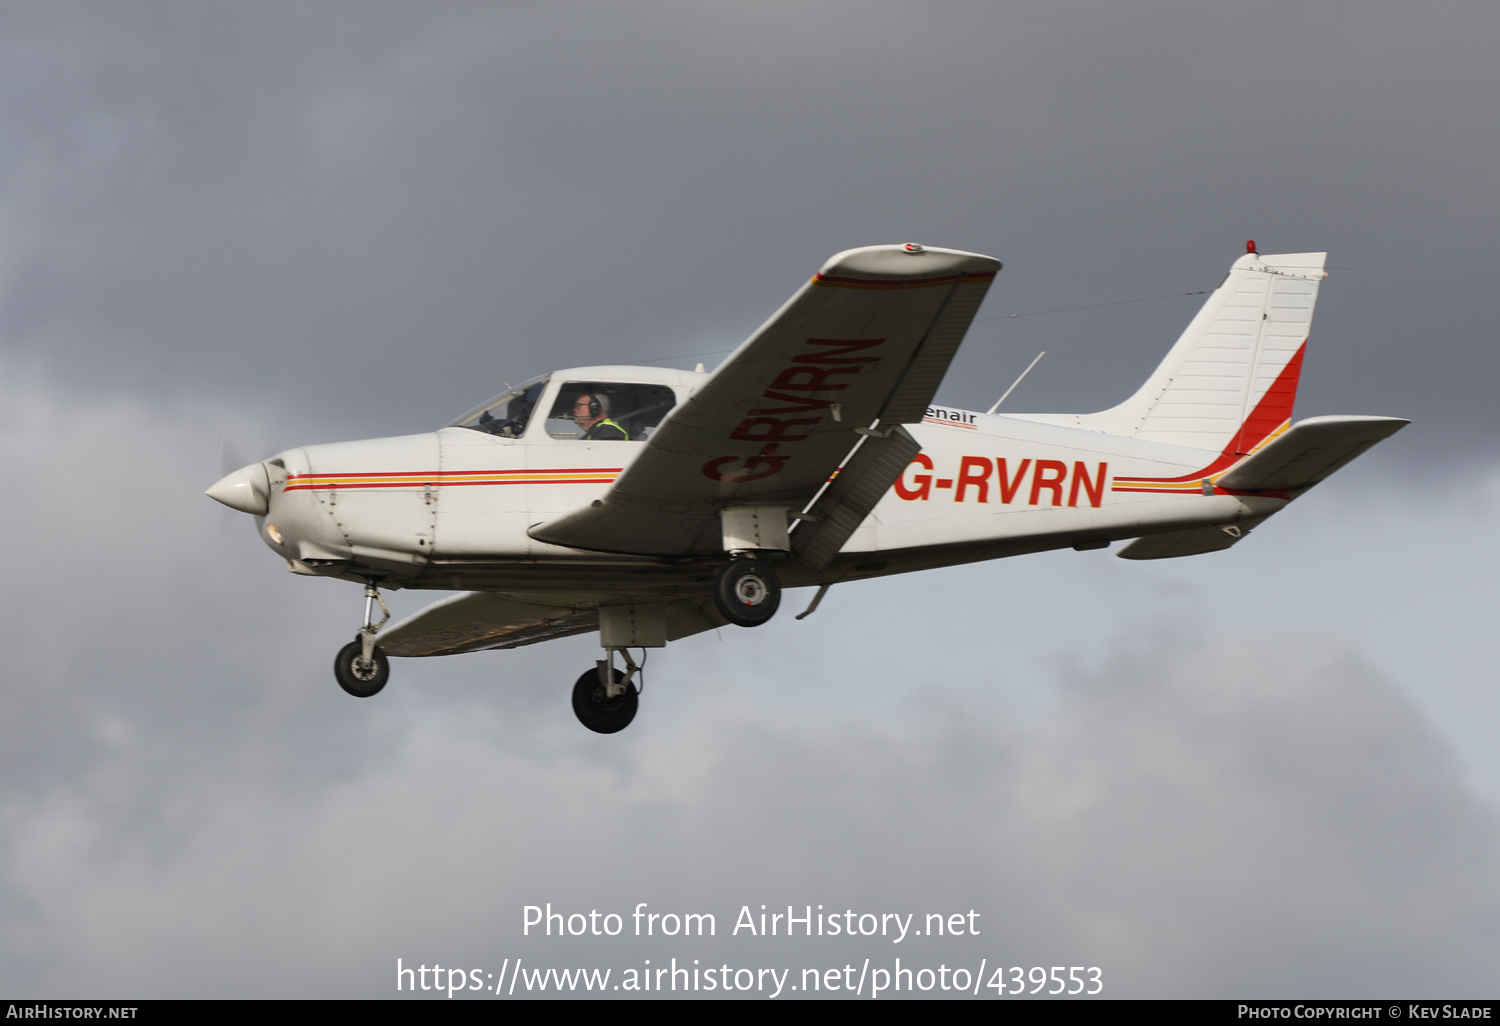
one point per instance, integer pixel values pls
(650, 505)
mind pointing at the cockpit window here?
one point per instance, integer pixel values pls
(601, 411)
(508, 415)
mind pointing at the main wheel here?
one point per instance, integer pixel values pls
(599, 712)
(747, 592)
(361, 682)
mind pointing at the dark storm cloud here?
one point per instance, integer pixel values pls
(363, 216)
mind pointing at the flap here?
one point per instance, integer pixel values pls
(859, 484)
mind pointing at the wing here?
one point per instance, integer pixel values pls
(475, 621)
(862, 346)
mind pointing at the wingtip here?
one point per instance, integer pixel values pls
(905, 262)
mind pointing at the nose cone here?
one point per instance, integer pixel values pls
(247, 490)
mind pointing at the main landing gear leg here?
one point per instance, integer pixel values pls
(361, 667)
(605, 698)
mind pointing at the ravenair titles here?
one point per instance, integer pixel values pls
(952, 418)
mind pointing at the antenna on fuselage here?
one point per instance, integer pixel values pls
(1012, 388)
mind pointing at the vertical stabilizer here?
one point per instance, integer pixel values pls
(1229, 382)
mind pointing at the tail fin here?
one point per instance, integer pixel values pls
(1229, 382)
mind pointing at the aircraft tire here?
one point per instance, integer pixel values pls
(351, 680)
(597, 711)
(747, 592)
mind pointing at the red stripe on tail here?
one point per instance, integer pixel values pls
(1274, 408)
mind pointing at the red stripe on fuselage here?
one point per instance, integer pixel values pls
(440, 484)
(457, 473)
(443, 479)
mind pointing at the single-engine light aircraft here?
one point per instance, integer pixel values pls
(650, 505)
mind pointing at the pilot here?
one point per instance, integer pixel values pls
(591, 414)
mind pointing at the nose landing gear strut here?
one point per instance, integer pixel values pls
(361, 667)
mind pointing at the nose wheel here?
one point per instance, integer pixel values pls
(747, 592)
(361, 668)
(358, 674)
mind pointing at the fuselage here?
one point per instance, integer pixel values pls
(450, 509)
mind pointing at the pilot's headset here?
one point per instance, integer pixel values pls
(598, 405)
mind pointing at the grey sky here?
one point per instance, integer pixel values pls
(331, 201)
(1265, 771)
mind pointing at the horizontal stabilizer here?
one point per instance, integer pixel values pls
(1309, 452)
(1193, 542)
(1299, 458)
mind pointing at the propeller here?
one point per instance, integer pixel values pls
(245, 485)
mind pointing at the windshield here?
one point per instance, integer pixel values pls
(507, 415)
